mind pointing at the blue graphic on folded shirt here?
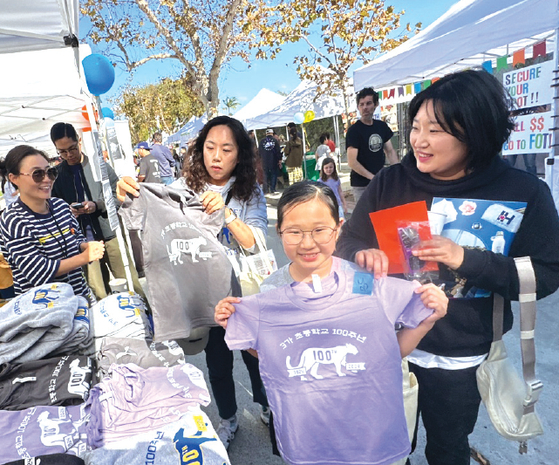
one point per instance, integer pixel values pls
(482, 224)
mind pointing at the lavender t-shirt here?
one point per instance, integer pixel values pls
(331, 365)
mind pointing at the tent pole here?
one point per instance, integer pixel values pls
(304, 152)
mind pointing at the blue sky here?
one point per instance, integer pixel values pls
(243, 82)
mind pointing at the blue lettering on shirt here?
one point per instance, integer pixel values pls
(363, 283)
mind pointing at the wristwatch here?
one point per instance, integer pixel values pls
(232, 217)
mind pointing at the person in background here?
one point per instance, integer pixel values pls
(458, 128)
(329, 176)
(270, 154)
(367, 141)
(322, 152)
(294, 156)
(78, 186)
(221, 168)
(39, 235)
(330, 143)
(10, 193)
(164, 157)
(149, 165)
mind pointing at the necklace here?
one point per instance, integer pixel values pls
(62, 245)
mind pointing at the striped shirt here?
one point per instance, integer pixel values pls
(34, 244)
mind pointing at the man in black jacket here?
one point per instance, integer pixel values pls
(80, 185)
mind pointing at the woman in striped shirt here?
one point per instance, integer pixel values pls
(39, 236)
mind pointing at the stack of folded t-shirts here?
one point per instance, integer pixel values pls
(140, 415)
(62, 381)
(39, 431)
(141, 352)
(120, 315)
(42, 321)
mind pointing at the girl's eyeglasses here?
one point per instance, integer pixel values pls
(320, 235)
(39, 175)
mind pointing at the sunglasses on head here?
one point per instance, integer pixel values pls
(39, 175)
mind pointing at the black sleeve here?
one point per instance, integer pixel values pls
(537, 237)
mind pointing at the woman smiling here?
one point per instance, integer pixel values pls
(39, 236)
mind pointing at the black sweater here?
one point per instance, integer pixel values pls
(467, 328)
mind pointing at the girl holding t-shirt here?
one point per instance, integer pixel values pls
(329, 356)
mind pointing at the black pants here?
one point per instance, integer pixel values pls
(449, 404)
(220, 367)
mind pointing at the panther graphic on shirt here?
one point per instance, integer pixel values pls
(188, 246)
(313, 357)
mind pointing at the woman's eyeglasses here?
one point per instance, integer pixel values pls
(39, 175)
(320, 235)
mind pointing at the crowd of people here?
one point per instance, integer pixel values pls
(330, 327)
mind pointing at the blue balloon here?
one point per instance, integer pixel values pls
(299, 117)
(107, 113)
(99, 73)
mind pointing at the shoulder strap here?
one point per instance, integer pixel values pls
(527, 301)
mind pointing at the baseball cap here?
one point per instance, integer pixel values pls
(143, 145)
(269, 131)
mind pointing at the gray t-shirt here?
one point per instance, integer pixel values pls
(149, 167)
(186, 266)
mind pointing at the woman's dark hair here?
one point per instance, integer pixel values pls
(194, 169)
(12, 162)
(334, 174)
(475, 108)
(323, 138)
(61, 130)
(293, 132)
(304, 191)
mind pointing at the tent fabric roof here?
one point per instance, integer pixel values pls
(33, 100)
(37, 24)
(300, 99)
(264, 101)
(469, 33)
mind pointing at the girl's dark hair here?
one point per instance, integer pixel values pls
(334, 174)
(195, 172)
(304, 191)
(12, 162)
(293, 132)
(474, 107)
(61, 130)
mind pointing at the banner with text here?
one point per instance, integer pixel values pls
(530, 86)
(531, 134)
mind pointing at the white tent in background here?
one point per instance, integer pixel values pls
(300, 99)
(469, 33)
(264, 101)
(189, 131)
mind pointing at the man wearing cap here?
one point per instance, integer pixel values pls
(164, 157)
(270, 153)
(149, 165)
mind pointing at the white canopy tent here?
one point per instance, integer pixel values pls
(469, 33)
(38, 25)
(302, 98)
(264, 101)
(189, 131)
(40, 82)
(32, 99)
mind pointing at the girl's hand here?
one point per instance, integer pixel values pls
(374, 260)
(212, 201)
(433, 297)
(224, 309)
(127, 185)
(441, 249)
